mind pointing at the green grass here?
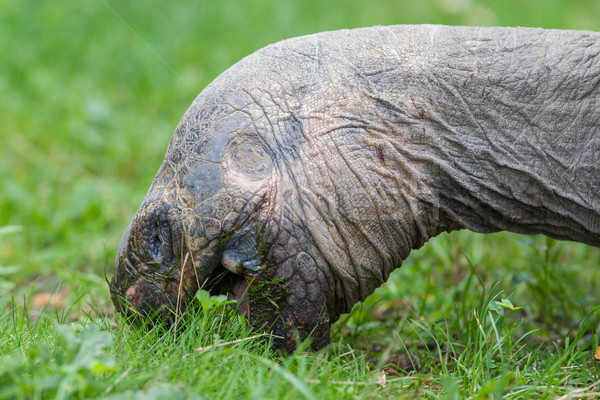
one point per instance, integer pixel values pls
(87, 111)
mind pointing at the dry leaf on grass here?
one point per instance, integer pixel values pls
(52, 299)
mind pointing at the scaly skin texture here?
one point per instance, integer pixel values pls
(311, 168)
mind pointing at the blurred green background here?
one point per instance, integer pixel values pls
(91, 91)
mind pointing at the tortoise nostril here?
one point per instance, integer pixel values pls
(155, 248)
(159, 240)
(156, 244)
(157, 231)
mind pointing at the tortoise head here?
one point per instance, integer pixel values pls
(211, 186)
(224, 213)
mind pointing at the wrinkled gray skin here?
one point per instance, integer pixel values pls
(312, 167)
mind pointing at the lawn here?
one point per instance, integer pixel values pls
(90, 95)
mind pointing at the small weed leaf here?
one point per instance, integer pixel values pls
(85, 352)
(496, 307)
(90, 355)
(495, 389)
(209, 302)
(499, 306)
(452, 389)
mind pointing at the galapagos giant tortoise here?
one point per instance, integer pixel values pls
(311, 168)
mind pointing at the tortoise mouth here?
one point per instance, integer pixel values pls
(235, 287)
(152, 296)
(146, 295)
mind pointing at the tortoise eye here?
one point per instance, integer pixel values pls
(247, 156)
